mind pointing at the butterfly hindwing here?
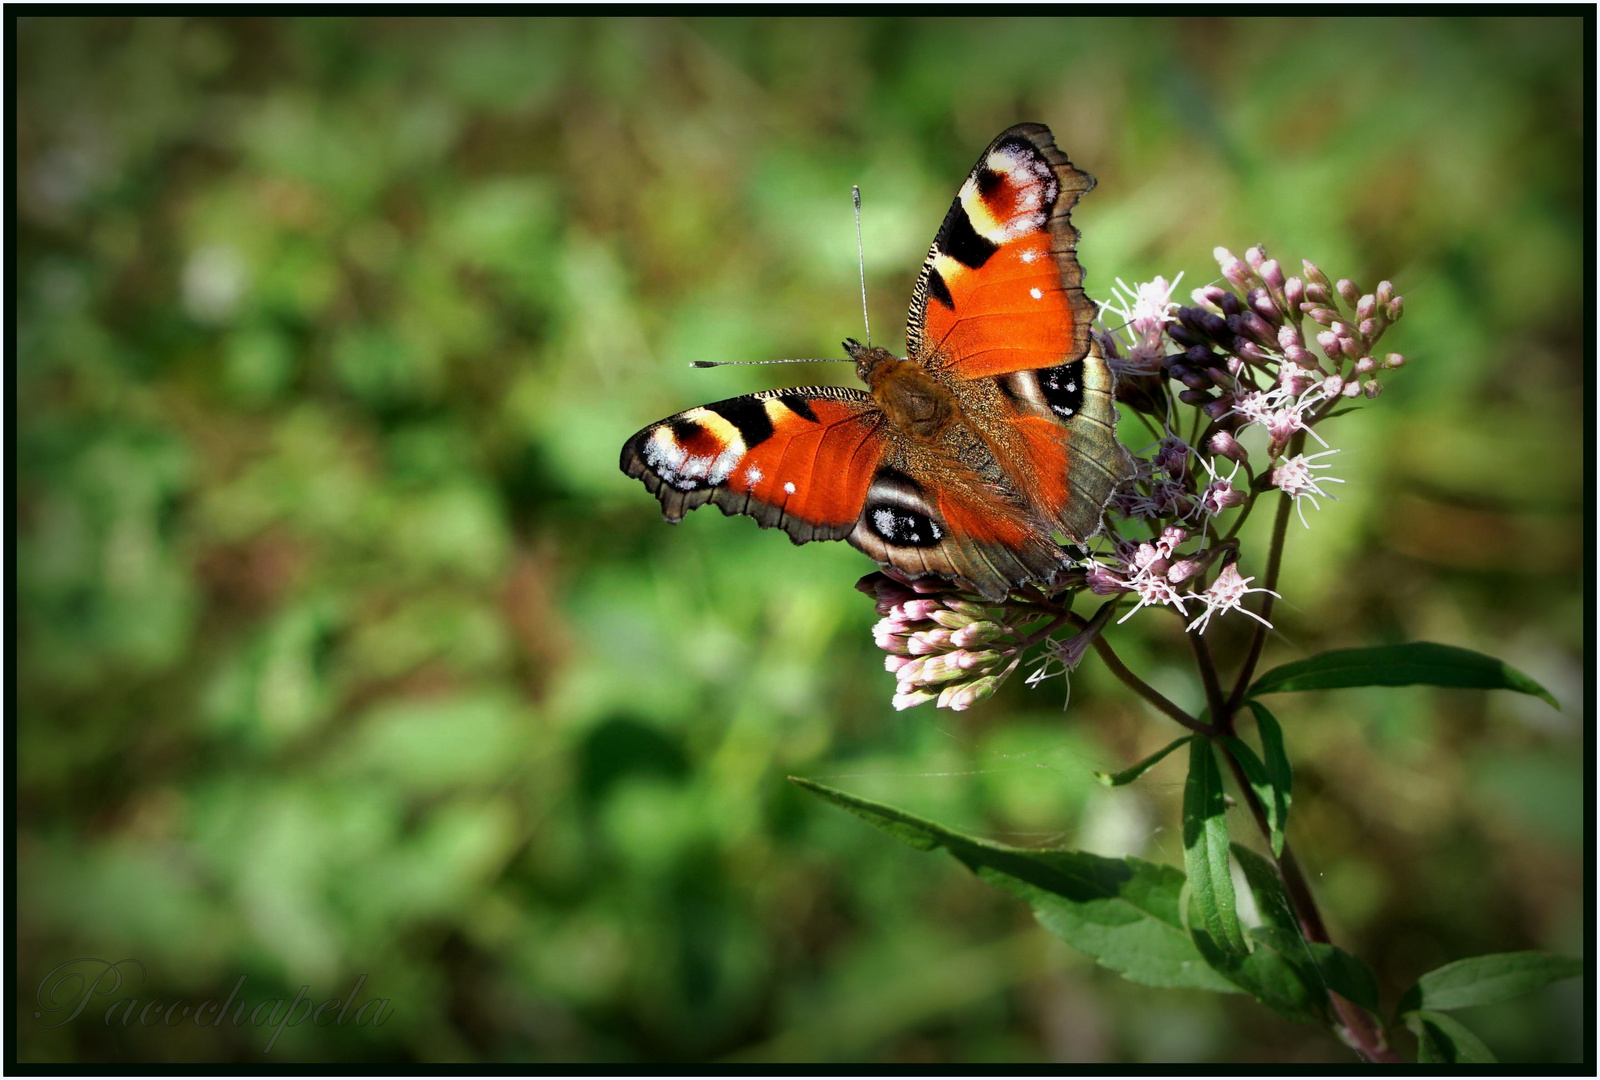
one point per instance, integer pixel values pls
(1001, 289)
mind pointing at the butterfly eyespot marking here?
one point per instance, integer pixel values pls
(897, 514)
(699, 449)
(1062, 388)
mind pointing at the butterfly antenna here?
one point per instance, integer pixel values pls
(801, 360)
(861, 260)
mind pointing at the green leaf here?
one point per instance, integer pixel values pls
(1287, 988)
(1255, 774)
(1280, 775)
(1419, 663)
(1346, 975)
(1443, 1040)
(1205, 850)
(1132, 773)
(1483, 980)
(1272, 901)
(1122, 912)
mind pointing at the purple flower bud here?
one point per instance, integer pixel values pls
(1394, 360)
(1249, 351)
(1328, 342)
(1209, 295)
(1302, 356)
(1272, 274)
(1261, 302)
(1219, 407)
(919, 610)
(1313, 274)
(1317, 294)
(1194, 397)
(1332, 385)
(1372, 389)
(1369, 328)
(916, 697)
(1256, 256)
(1227, 446)
(1192, 377)
(1351, 389)
(1231, 304)
(1294, 293)
(1200, 356)
(1396, 308)
(1349, 290)
(1102, 582)
(1323, 316)
(1350, 346)
(1235, 366)
(1343, 329)
(1367, 307)
(1384, 292)
(893, 663)
(1289, 337)
(1182, 335)
(890, 635)
(928, 642)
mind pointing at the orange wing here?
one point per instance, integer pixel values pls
(1001, 289)
(799, 459)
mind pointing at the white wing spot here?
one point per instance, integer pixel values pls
(884, 521)
(1028, 255)
(1036, 294)
(789, 488)
(1072, 388)
(752, 476)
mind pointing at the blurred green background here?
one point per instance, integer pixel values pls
(344, 647)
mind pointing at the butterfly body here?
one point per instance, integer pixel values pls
(966, 457)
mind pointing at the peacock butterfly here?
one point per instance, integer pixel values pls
(962, 459)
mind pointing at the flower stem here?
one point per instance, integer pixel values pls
(1145, 690)
(1258, 640)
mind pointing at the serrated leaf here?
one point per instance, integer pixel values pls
(1418, 663)
(1483, 980)
(1133, 772)
(1444, 1040)
(1122, 912)
(1205, 850)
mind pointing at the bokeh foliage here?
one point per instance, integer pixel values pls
(344, 648)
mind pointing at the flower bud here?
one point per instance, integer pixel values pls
(1227, 446)
(1182, 335)
(1372, 389)
(1350, 346)
(1394, 360)
(1209, 296)
(1302, 356)
(1323, 316)
(978, 633)
(916, 697)
(1272, 274)
(1256, 256)
(1365, 365)
(1261, 303)
(1249, 351)
(1289, 337)
(1219, 407)
(1102, 582)
(892, 663)
(1236, 272)
(1384, 293)
(1194, 396)
(1349, 290)
(1294, 293)
(1351, 389)
(928, 642)
(1184, 569)
(1367, 307)
(1192, 377)
(1396, 308)
(1332, 386)
(1231, 304)
(1328, 342)
(919, 610)
(1200, 356)
(1317, 294)
(967, 608)
(1369, 328)
(1313, 275)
